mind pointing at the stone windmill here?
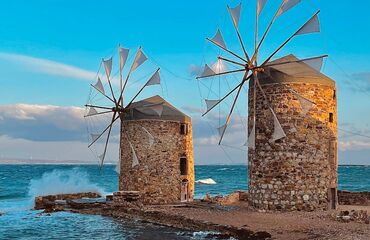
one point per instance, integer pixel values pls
(292, 131)
(113, 103)
(156, 147)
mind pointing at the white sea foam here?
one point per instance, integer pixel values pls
(208, 181)
(59, 182)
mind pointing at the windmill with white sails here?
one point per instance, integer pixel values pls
(251, 67)
(107, 105)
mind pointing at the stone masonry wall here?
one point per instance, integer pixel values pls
(157, 177)
(297, 172)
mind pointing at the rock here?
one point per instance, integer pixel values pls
(306, 197)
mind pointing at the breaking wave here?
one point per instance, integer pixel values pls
(59, 182)
(208, 181)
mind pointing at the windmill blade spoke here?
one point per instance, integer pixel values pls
(301, 30)
(235, 17)
(107, 141)
(221, 73)
(260, 5)
(95, 106)
(231, 112)
(231, 61)
(108, 69)
(233, 90)
(98, 113)
(225, 49)
(97, 137)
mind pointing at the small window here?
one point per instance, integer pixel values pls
(183, 129)
(331, 117)
(183, 166)
(334, 94)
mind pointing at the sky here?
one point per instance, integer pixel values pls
(50, 52)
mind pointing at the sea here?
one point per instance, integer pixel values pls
(19, 184)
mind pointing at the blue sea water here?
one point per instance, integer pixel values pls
(20, 183)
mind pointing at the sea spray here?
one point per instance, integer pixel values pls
(63, 181)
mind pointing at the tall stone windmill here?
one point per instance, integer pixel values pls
(292, 128)
(156, 148)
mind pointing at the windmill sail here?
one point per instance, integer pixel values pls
(207, 72)
(219, 66)
(306, 105)
(315, 63)
(211, 103)
(287, 5)
(218, 39)
(278, 130)
(108, 67)
(135, 160)
(312, 26)
(260, 5)
(92, 112)
(235, 14)
(150, 137)
(99, 86)
(140, 58)
(252, 137)
(123, 55)
(94, 137)
(154, 80)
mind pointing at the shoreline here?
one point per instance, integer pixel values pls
(240, 221)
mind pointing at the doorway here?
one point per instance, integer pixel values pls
(184, 191)
(333, 198)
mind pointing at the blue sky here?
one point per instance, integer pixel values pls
(50, 49)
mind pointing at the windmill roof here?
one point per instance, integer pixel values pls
(292, 72)
(145, 109)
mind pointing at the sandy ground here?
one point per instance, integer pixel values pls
(287, 226)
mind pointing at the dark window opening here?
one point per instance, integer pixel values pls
(334, 94)
(183, 129)
(183, 166)
(331, 117)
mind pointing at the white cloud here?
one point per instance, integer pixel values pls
(353, 145)
(46, 122)
(48, 67)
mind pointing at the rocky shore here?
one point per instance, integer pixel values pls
(230, 216)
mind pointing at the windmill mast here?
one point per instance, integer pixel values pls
(120, 71)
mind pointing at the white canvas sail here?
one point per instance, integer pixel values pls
(150, 137)
(278, 130)
(135, 160)
(288, 4)
(154, 80)
(306, 105)
(315, 63)
(140, 58)
(211, 103)
(108, 67)
(235, 14)
(218, 39)
(312, 26)
(123, 55)
(92, 111)
(94, 137)
(99, 86)
(219, 66)
(252, 137)
(260, 5)
(118, 165)
(207, 71)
